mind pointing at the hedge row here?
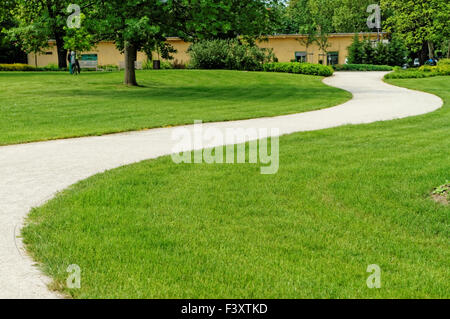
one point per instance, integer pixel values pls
(298, 68)
(362, 67)
(16, 67)
(443, 62)
(26, 67)
(422, 72)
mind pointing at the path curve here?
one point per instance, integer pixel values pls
(31, 174)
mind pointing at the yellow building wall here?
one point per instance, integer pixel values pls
(284, 47)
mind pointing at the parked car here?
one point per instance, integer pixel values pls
(431, 62)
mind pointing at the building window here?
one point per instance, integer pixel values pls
(300, 56)
(333, 58)
(48, 53)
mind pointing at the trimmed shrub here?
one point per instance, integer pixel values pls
(407, 75)
(298, 68)
(362, 67)
(50, 67)
(443, 62)
(26, 67)
(423, 72)
(109, 67)
(17, 67)
(228, 54)
(165, 65)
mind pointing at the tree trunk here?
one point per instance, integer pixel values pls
(130, 59)
(430, 50)
(62, 53)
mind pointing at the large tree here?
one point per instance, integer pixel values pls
(351, 16)
(9, 53)
(137, 25)
(421, 23)
(49, 17)
(133, 25)
(314, 19)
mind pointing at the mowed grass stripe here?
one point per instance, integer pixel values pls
(43, 106)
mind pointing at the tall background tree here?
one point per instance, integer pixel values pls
(9, 53)
(134, 25)
(422, 24)
(31, 39)
(351, 15)
(137, 25)
(49, 17)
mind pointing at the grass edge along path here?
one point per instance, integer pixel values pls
(47, 106)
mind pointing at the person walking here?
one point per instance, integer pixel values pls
(77, 63)
(70, 62)
(73, 62)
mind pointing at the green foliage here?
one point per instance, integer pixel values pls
(425, 71)
(40, 21)
(443, 189)
(51, 67)
(226, 19)
(333, 16)
(31, 38)
(379, 53)
(9, 52)
(419, 22)
(17, 67)
(362, 67)
(299, 68)
(443, 62)
(355, 51)
(350, 15)
(165, 65)
(79, 39)
(228, 54)
(396, 52)
(427, 68)
(26, 67)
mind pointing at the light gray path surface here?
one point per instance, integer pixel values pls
(31, 174)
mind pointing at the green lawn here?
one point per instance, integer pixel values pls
(343, 198)
(41, 106)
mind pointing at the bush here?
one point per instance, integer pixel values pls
(423, 72)
(165, 65)
(228, 54)
(443, 69)
(427, 68)
(407, 75)
(109, 67)
(367, 52)
(17, 67)
(50, 67)
(298, 68)
(443, 62)
(362, 67)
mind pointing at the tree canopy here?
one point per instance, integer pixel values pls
(422, 24)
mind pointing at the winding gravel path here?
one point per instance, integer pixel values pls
(31, 174)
